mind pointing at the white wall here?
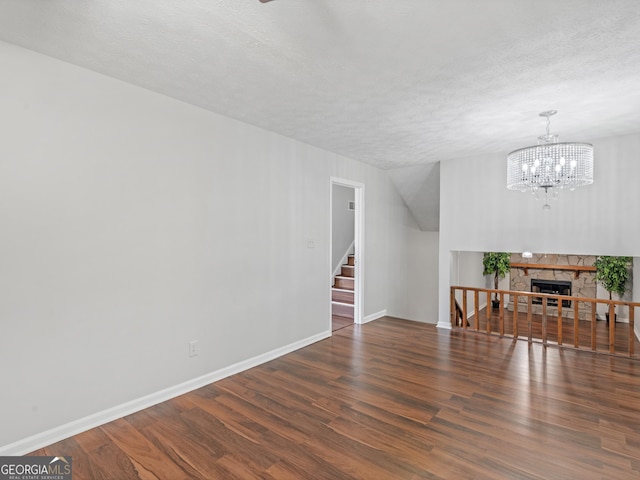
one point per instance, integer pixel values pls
(133, 223)
(422, 276)
(466, 270)
(342, 223)
(598, 219)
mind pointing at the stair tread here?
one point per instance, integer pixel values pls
(345, 276)
(342, 289)
(333, 302)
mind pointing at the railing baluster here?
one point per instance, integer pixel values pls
(464, 308)
(489, 310)
(501, 314)
(593, 327)
(576, 325)
(529, 308)
(476, 304)
(612, 328)
(544, 320)
(560, 322)
(452, 307)
(515, 315)
(632, 330)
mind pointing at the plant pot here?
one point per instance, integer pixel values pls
(615, 317)
(495, 303)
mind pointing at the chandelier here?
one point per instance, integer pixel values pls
(550, 166)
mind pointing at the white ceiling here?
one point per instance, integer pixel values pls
(391, 83)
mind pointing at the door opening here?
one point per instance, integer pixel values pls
(346, 252)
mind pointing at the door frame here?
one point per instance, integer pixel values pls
(358, 245)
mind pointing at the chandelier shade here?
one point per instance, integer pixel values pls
(561, 165)
(551, 165)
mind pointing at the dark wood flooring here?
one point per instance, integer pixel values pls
(390, 399)
(338, 322)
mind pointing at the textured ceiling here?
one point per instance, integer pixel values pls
(394, 84)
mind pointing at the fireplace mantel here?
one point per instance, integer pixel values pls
(541, 266)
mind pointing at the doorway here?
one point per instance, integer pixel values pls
(346, 252)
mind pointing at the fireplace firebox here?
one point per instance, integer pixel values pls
(554, 287)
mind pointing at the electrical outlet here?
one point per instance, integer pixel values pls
(193, 348)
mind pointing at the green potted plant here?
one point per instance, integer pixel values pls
(613, 274)
(496, 264)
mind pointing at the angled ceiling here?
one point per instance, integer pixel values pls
(393, 84)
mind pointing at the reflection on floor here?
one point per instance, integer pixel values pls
(338, 322)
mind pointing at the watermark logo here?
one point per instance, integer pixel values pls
(35, 468)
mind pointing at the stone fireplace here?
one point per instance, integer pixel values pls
(539, 275)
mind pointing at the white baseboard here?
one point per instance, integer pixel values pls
(374, 316)
(446, 325)
(636, 328)
(75, 427)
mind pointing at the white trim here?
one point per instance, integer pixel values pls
(446, 325)
(75, 427)
(375, 316)
(342, 303)
(358, 245)
(636, 328)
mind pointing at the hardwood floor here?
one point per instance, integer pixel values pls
(390, 399)
(338, 322)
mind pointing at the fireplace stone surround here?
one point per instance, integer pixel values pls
(582, 285)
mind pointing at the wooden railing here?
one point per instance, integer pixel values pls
(620, 337)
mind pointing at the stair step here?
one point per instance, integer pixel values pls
(348, 270)
(351, 260)
(342, 295)
(343, 282)
(342, 309)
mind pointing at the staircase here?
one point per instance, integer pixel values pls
(342, 290)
